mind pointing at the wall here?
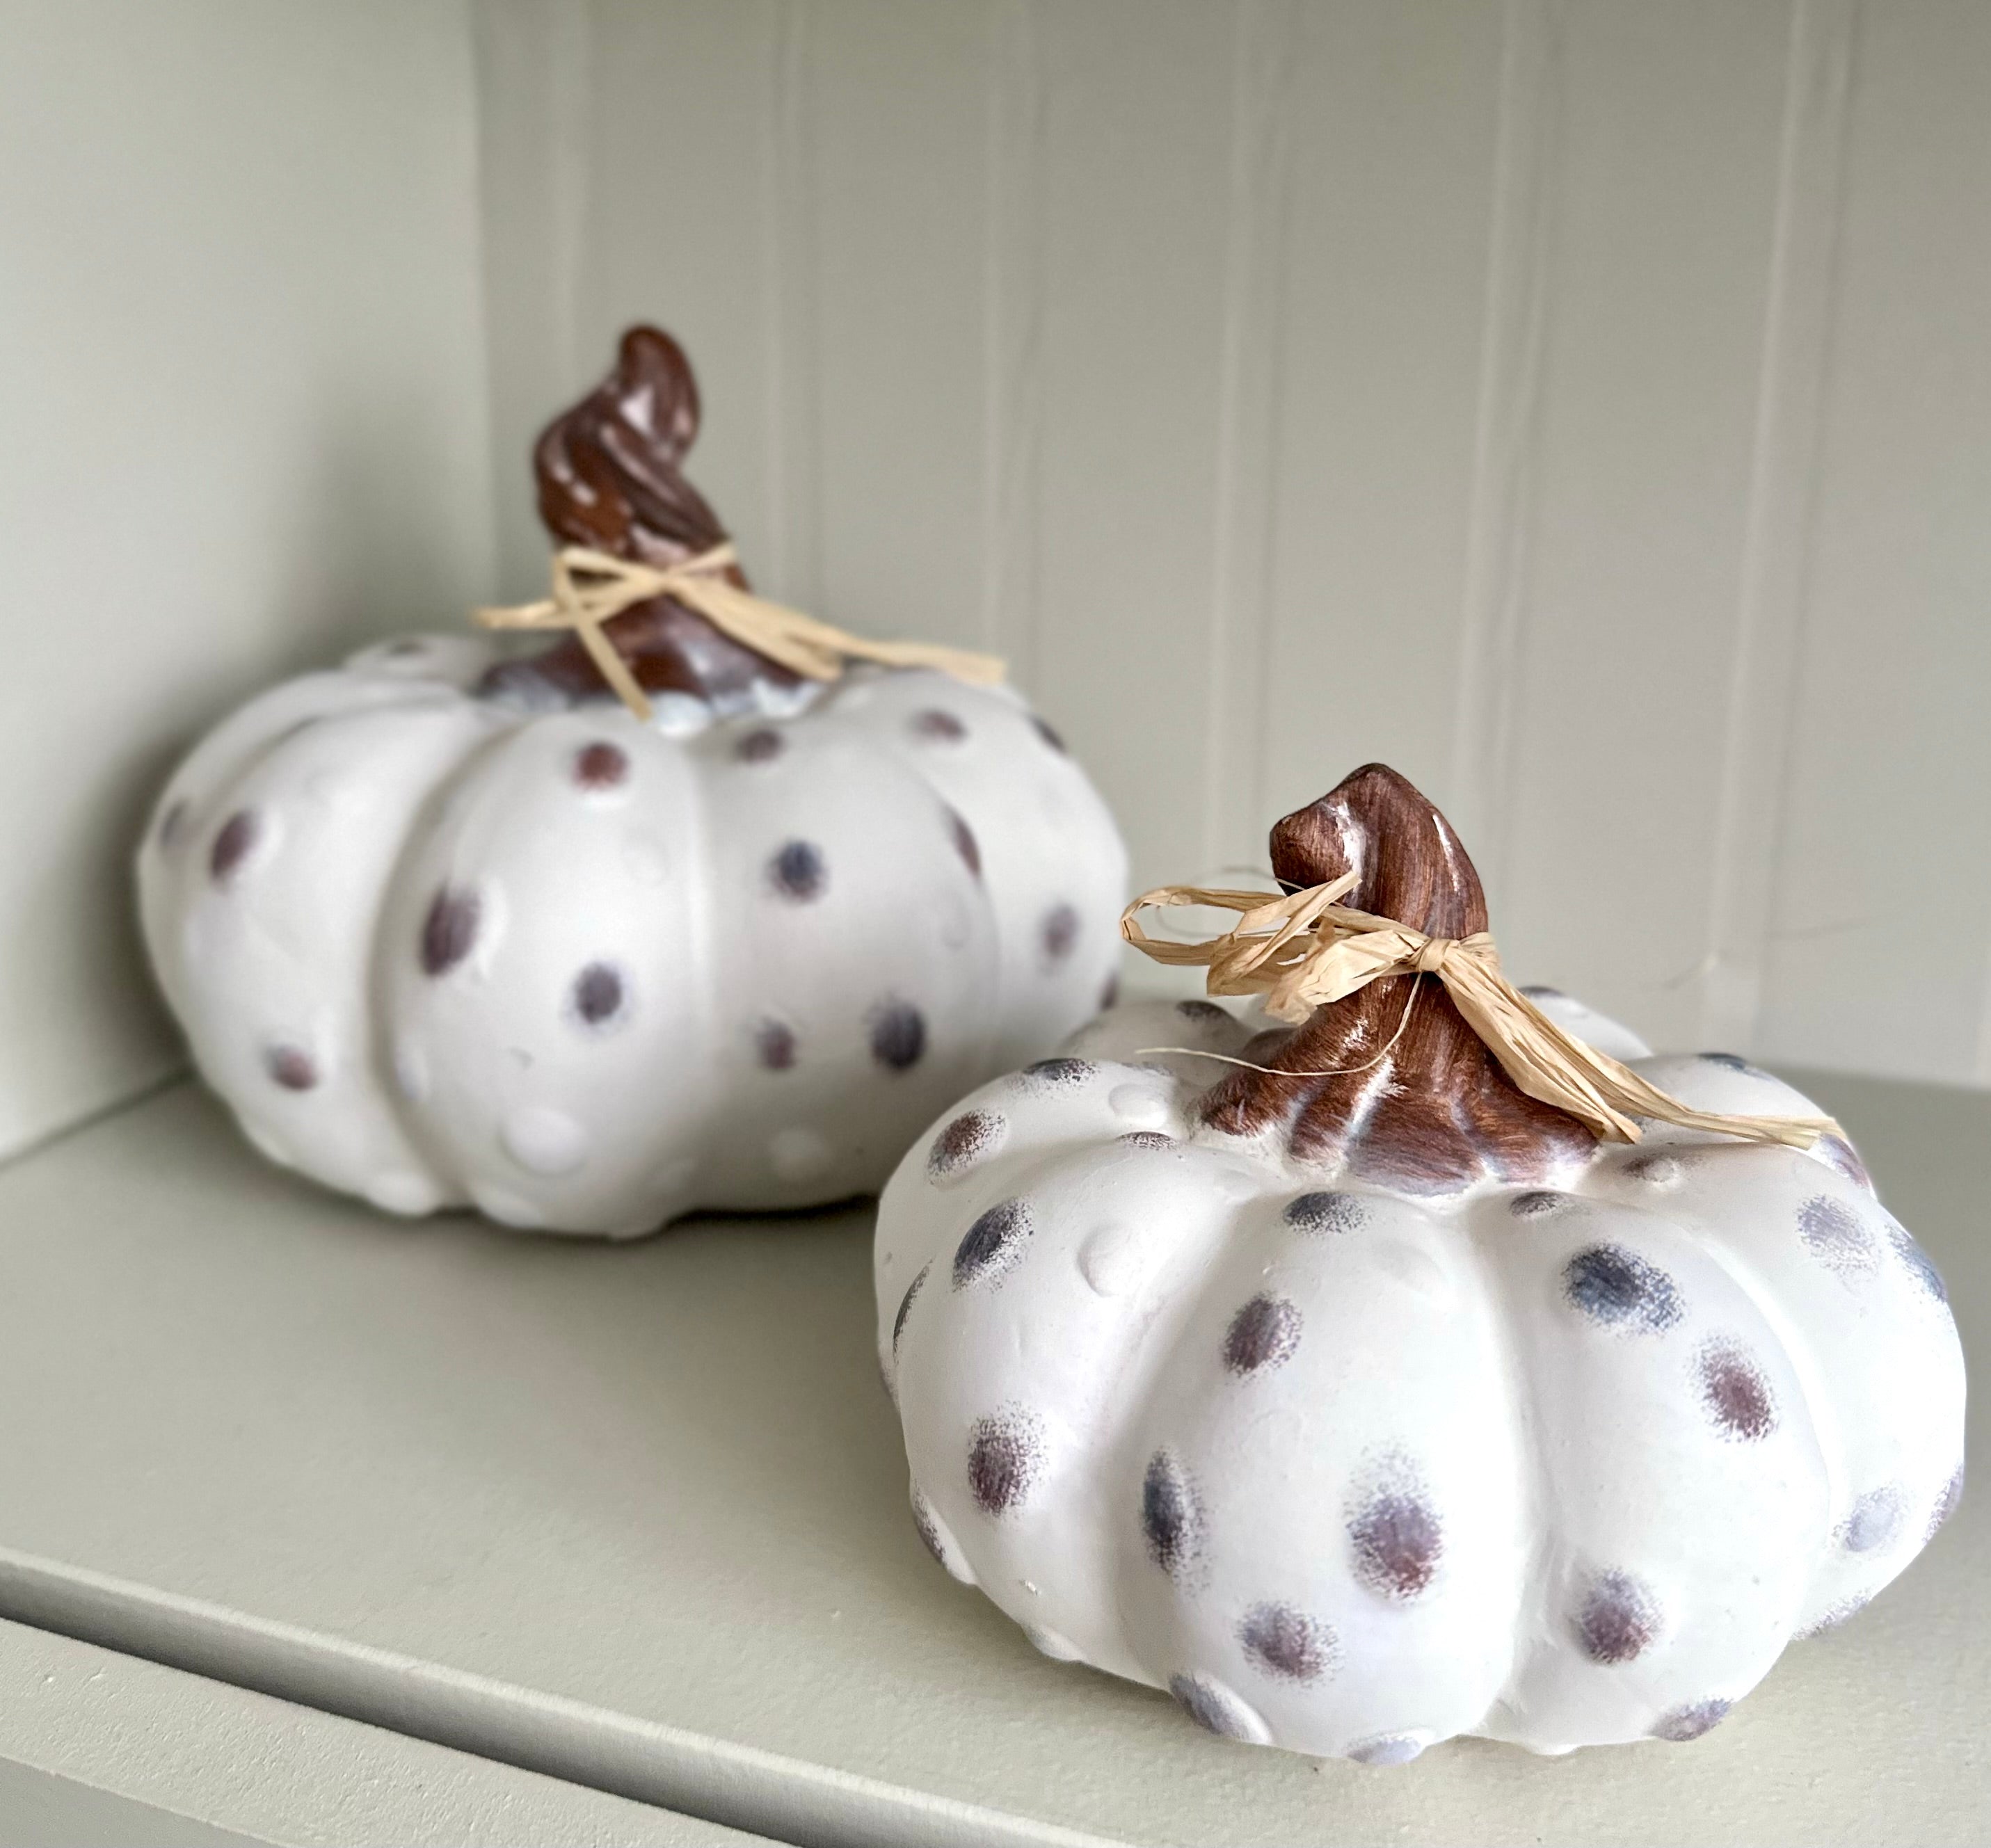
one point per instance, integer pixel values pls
(242, 391)
(1585, 407)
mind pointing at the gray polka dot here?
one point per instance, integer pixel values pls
(449, 931)
(1171, 1516)
(994, 1244)
(760, 746)
(1057, 1074)
(1058, 934)
(1211, 1706)
(291, 1067)
(1684, 1723)
(1263, 1333)
(232, 844)
(774, 1045)
(1919, 1265)
(1387, 1748)
(1619, 1619)
(1618, 1288)
(1283, 1641)
(1834, 1234)
(798, 872)
(1325, 1212)
(1005, 1460)
(1873, 1520)
(898, 1031)
(599, 996)
(906, 1304)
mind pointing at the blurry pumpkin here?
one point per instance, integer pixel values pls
(446, 928)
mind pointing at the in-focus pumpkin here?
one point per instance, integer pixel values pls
(1365, 1401)
(448, 928)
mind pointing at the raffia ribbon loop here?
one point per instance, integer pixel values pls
(590, 588)
(1304, 950)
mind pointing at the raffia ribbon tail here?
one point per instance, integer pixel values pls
(590, 588)
(1303, 951)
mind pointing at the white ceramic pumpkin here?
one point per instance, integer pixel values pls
(444, 928)
(1367, 1410)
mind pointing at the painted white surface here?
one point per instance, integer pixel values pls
(124, 1751)
(432, 953)
(242, 387)
(1581, 407)
(635, 1516)
(1353, 1471)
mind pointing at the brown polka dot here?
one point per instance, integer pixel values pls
(938, 727)
(1004, 1459)
(993, 1244)
(1049, 736)
(965, 842)
(906, 1305)
(1618, 1288)
(1833, 1234)
(1171, 1516)
(969, 1137)
(1737, 1396)
(760, 746)
(172, 821)
(1619, 1621)
(1325, 1212)
(1287, 1643)
(600, 766)
(232, 844)
(1057, 1074)
(1398, 1543)
(898, 1035)
(1873, 1520)
(774, 1045)
(798, 872)
(599, 995)
(1209, 1707)
(1058, 934)
(291, 1067)
(1262, 1333)
(450, 930)
(1690, 1722)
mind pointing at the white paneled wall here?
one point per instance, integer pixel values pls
(242, 429)
(1585, 407)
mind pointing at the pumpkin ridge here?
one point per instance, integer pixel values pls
(1444, 1115)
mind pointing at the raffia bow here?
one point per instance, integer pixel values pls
(1305, 950)
(590, 588)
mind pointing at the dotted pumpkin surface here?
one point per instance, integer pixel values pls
(1352, 1471)
(443, 948)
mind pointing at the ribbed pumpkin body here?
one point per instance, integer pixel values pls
(440, 945)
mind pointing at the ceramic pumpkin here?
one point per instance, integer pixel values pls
(445, 928)
(1362, 1403)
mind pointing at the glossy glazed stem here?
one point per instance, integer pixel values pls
(1417, 1104)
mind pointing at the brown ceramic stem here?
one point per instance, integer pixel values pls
(1434, 1112)
(609, 474)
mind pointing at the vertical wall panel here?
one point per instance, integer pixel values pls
(902, 102)
(242, 384)
(1383, 327)
(1888, 814)
(1137, 142)
(1552, 397)
(1599, 825)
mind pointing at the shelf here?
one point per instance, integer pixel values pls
(634, 1516)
